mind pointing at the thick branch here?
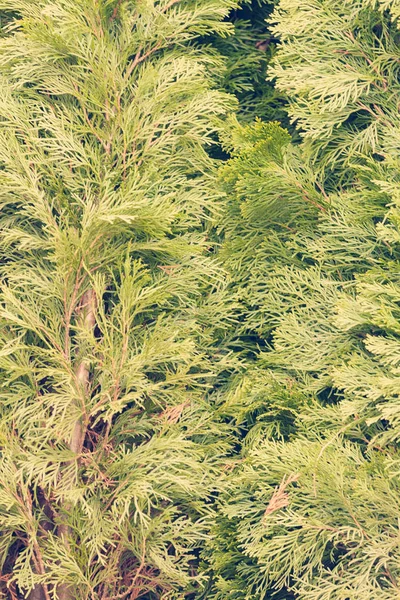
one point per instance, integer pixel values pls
(87, 309)
(88, 321)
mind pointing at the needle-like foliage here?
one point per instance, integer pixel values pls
(247, 53)
(111, 303)
(311, 507)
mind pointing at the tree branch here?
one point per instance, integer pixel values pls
(87, 311)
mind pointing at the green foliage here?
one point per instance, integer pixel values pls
(330, 530)
(338, 63)
(311, 506)
(247, 53)
(113, 310)
(199, 364)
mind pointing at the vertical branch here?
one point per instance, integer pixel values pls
(87, 319)
(39, 592)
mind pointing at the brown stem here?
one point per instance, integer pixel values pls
(39, 592)
(170, 5)
(88, 121)
(116, 10)
(69, 309)
(141, 57)
(88, 320)
(351, 37)
(133, 587)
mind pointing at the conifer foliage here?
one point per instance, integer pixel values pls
(312, 505)
(199, 363)
(110, 299)
(247, 53)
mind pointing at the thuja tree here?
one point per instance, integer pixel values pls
(111, 305)
(311, 508)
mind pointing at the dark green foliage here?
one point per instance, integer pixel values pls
(247, 53)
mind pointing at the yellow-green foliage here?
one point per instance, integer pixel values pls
(111, 304)
(311, 507)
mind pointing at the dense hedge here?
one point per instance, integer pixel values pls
(199, 300)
